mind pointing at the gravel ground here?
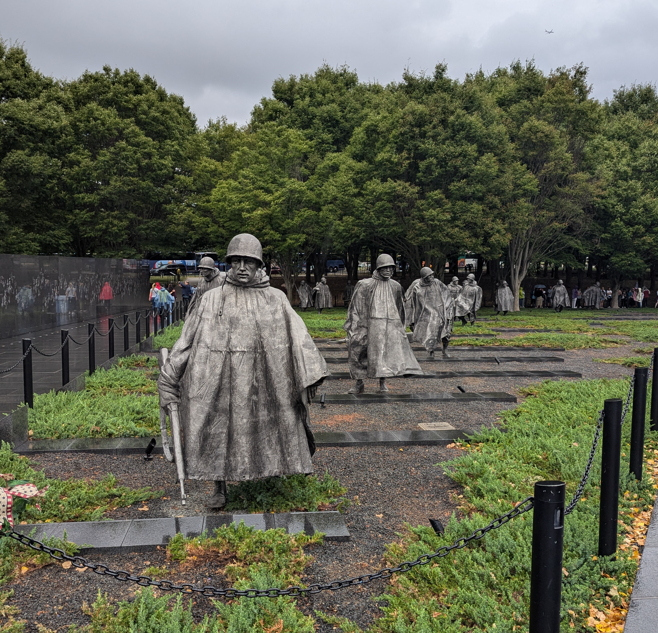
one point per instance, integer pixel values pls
(388, 487)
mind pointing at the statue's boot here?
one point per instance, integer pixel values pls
(218, 500)
(359, 387)
(431, 353)
(444, 349)
(504, 312)
(463, 320)
(382, 385)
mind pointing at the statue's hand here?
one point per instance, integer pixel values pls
(313, 389)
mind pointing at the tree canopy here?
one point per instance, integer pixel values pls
(517, 166)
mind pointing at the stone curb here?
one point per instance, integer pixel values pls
(147, 534)
(137, 445)
(343, 360)
(643, 608)
(476, 374)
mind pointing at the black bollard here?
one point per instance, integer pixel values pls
(639, 416)
(28, 385)
(92, 348)
(654, 393)
(610, 455)
(138, 317)
(64, 335)
(126, 333)
(148, 324)
(546, 573)
(110, 338)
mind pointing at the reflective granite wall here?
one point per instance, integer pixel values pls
(44, 292)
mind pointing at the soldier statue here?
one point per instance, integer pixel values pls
(560, 297)
(428, 311)
(241, 375)
(504, 299)
(305, 295)
(210, 278)
(322, 295)
(377, 342)
(469, 301)
(592, 296)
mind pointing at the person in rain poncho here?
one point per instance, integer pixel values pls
(428, 308)
(378, 346)
(322, 295)
(469, 301)
(243, 373)
(210, 278)
(455, 290)
(305, 295)
(504, 299)
(560, 297)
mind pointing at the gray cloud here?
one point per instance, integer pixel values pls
(223, 56)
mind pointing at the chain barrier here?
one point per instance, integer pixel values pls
(106, 333)
(18, 362)
(627, 404)
(119, 327)
(57, 351)
(583, 480)
(85, 341)
(80, 562)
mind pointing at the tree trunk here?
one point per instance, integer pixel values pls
(519, 255)
(581, 278)
(652, 278)
(309, 263)
(589, 266)
(616, 283)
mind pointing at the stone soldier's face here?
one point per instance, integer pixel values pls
(387, 271)
(206, 273)
(244, 268)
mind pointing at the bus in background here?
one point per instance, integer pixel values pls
(187, 265)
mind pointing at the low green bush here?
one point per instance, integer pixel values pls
(89, 414)
(122, 381)
(297, 493)
(626, 361)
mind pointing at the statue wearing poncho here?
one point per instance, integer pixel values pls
(469, 300)
(429, 309)
(240, 373)
(560, 297)
(504, 299)
(378, 346)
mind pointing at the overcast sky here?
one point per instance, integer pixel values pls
(222, 55)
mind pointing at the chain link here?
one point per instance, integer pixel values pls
(106, 333)
(18, 362)
(57, 351)
(627, 405)
(583, 480)
(80, 562)
(85, 341)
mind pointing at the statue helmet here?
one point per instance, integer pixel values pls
(207, 262)
(470, 276)
(455, 279)
(425, 272)
(244, 245)
(383, 261)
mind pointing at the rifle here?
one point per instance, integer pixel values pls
(176, 436)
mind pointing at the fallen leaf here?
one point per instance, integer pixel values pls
(67, 564)
(379, 516)
(24, 570)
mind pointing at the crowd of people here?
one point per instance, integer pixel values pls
(637, 297)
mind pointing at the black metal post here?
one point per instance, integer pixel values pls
(92, 348)
(28, 384)
(148, 324)
(639, 416)
(654, 393)
(609, 506)
(138, 318)
(64, 335)
(546, 572)
(126, 333)
(110, 338)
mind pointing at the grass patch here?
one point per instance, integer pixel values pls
(485, 586)
(122, 381)
(626, 361)
(88, 414)
(568, 341)
(71, 499)
(297, 493)
(167, 338)
(137, 361)
(248, 558)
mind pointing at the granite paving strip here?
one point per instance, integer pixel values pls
(137, 446)
(440, 396)
(643, 608)
(148, 534)
(342, 375)
(342, 360)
